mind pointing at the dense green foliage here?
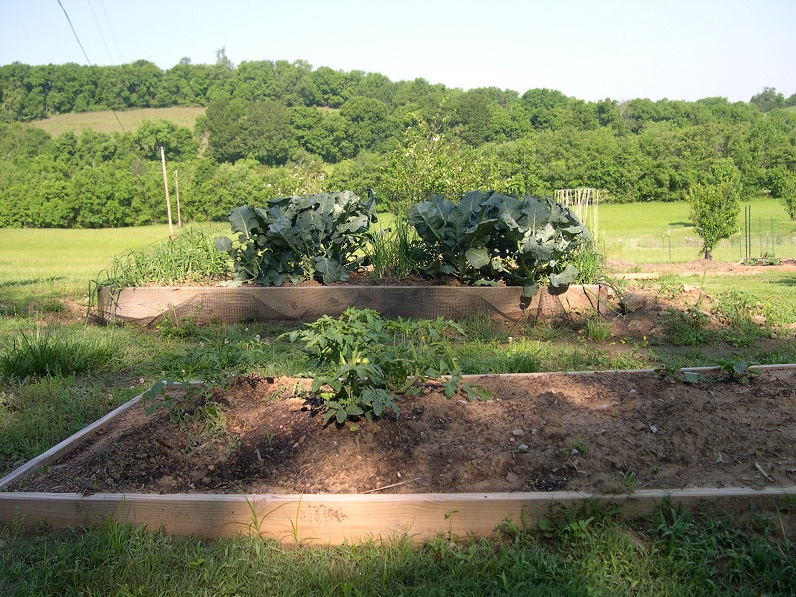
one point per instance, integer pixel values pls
(299, 238)
(488, 236)
(715, 205)
(274, 129)
(366, 362)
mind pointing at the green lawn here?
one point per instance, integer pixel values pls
(662, 232)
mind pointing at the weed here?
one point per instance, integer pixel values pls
(627, 479)
(181, 328)
(597, 328)
(670, 286)
(56, 351)
(577, 446)
(479, 327)
(687, 328)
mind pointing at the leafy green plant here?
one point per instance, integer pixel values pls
(735, 369)
(490, 236)
(365, 361)
(169, 394)
(207, 428)
(299, 238)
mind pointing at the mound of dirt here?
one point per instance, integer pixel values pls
(595, 432)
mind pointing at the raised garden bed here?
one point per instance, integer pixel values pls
(545, 441)
(148, 305)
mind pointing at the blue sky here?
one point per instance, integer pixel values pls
(589, 49)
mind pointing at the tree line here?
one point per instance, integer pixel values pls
(279, 128)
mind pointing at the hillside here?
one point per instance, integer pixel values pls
(106, 121)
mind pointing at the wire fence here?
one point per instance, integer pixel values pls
(667, 248)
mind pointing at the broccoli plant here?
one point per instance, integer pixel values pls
(490, 236)
(299, 238)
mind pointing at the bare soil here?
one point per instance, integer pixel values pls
(593, 432)
(604, 432)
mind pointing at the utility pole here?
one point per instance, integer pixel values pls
(177, 191)
(166, 184)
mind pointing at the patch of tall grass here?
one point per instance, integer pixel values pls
(191, 258)
(393, 252)
(57, 351)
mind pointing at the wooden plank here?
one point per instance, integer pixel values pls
(66, 445)
(147, 305)
(335, 519)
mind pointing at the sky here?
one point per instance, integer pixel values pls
(588, 49)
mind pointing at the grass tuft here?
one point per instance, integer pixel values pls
(57, 351)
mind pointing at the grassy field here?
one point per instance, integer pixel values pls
(585, 552)
(106, 122)
(661, 232)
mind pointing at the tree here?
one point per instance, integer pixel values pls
(768, 99)
(223, 128)
(715, 204)
(428, 163)
(782, 183)
(265, 132)
(177, 141)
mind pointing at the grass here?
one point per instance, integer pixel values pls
(106, 121)
(56, 351)
(191, 258)
(662, 232)
(578, 553)
(41, 271)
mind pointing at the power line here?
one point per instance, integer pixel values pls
(99, 29)
(93, 70)
(113, 33)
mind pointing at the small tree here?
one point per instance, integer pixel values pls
(715, 204)
(427, 163)
(782, 183)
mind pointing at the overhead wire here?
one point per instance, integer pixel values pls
(93, 70)
(113, 33)
(99, 29)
